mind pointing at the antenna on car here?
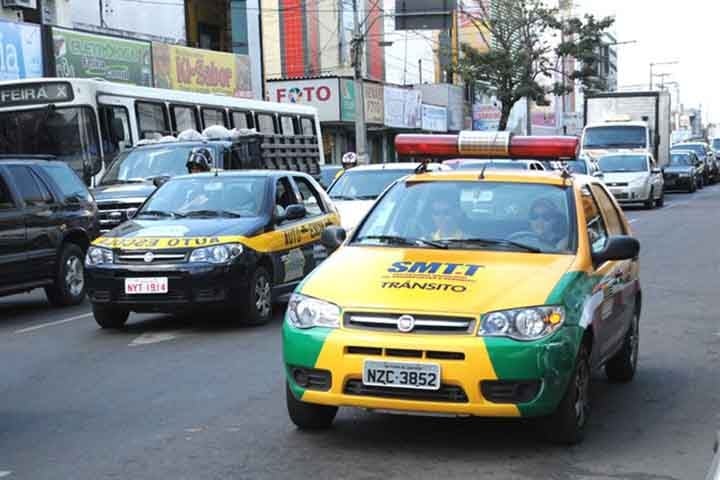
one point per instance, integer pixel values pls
(482, 172)
(422, 168)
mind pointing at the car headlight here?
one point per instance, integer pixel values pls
(98, 256)
(217, 253)
(522, 323)
(307, 312)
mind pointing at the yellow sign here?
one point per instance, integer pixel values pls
(202, 71)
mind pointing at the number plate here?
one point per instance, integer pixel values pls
(146, 286)
(419, 376)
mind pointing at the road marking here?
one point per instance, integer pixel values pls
(5, 473)
(150, 338)
(52, 324)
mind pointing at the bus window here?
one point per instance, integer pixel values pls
(307, 126)
(212, 117)
(288, 125)
(184, 118)
(266, 123)
(240, 119)
(151, 118)
(108, 113)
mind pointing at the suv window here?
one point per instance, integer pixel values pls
(614, 224)
(72, 188)
(32, 190)
(595, 224)
(310, 198)
(6, 200)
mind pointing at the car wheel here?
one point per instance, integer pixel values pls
(650, 202)
(68, 287)
(693, 186)
(258, 309)
(567, 424)
(660, 202)
(309, 416)
(622, 367)
(110, 317)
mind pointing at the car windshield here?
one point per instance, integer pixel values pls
(680, 159)
(365, 184)
(623, 163)
(698, 148)
(469, 215)
(146, 163)
(615, 137)
(207, 196)
(577, 166)
(493, 165)
(70, 134)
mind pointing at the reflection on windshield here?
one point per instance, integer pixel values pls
(623, 163)
(615, 137)
(365, 184)
(68, 133)
(521, 217)
(207, 197)
(148, 163)
(682, 160)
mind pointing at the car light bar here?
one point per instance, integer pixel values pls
(486, 145)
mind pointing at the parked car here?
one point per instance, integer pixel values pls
(711, 172)
(47, 220)
(633, 178)
(328, 174)
(683, 171)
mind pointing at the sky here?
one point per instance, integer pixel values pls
(666, 30)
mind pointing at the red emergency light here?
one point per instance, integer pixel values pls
(471, 144)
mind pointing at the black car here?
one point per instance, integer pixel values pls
(683, 172)
(711, 171)
(234, 240)
(47, 220)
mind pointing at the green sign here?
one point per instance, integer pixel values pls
(347, 100)
(86, 55)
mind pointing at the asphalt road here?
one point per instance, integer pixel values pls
(199, 398)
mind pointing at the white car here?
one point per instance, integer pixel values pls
(633, 178)
(355, 191)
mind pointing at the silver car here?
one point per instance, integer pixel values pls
(633, 178)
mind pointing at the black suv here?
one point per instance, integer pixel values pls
(47, 221)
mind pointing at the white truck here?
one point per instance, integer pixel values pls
(627, 122)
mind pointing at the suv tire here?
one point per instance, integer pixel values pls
(68, 286)
(110, 317)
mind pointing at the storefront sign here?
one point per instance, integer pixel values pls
(434, 119)
(33, 93)
(20, 51)
(321, 93)
(374, 103)
(202, 71)
(486, 117)
(402, 108)
(347, 100)
(87, 55)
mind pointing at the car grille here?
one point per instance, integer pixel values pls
(446, 393)
(621, 196)
(617, 184)
(141, 257)
(405, 353)
(424, 324)
(113, 214)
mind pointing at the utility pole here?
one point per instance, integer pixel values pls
(652, 64)
(420, 70)
(360, 131)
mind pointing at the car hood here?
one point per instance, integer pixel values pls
(352, 211)
(108, 193)
(180, 232)
(435, 281)
(624, 177)
(678, 169)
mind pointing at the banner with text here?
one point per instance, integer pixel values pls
(20, 51)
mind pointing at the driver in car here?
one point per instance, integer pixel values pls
(444, 210)
(549, 224)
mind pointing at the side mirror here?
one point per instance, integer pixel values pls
(160, 181)
(332, 237)
(620, 247)
(117, 131)
(294, 212)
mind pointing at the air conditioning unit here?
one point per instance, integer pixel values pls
(31, 4)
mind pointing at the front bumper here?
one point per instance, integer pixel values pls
(674, 182)
(474, 371)
(631, 194)
(190, 286)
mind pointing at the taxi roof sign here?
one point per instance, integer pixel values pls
(471, 144)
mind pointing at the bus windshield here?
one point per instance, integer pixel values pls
(68, 133)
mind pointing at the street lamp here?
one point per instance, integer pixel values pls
(652, 64)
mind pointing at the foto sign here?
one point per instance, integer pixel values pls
(321, 93)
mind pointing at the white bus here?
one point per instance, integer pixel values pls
(86, 122)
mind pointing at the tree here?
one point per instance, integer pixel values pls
(525, 40)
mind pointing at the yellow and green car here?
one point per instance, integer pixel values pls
(469, 293)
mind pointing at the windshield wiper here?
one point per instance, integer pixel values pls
(212, 213)
(404, 241)
(493, 241)
(157, 213)
(366, 197)
(342, 197)
(120, 182)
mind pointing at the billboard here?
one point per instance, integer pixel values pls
(424, 14)
(87, 55)
(321, 93)
(202, 71)
(374, 103)
(403, 108)
(434, 119)
(20, 51)
(486, 117)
